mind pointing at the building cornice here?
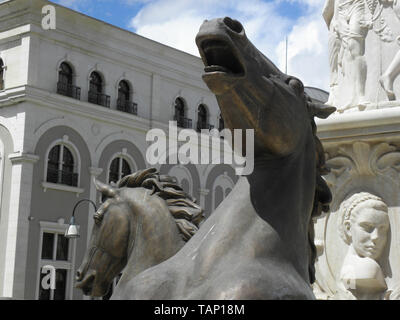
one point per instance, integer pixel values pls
(62, 187)
(20, 157)
(95, 172)
(84, 109)
(353, 125)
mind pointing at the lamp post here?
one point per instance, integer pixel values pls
(72, 230)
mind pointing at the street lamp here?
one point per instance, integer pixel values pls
(72, 230)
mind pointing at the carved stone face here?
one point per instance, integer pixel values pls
(368, 229)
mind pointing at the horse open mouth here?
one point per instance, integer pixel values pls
(219, 56)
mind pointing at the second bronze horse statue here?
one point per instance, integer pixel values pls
(258, 244)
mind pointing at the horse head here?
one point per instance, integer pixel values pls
(252, 92)
(143, 221)
(108, 249)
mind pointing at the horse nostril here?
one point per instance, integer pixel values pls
(233, 24)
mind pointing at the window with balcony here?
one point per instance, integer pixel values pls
(179, 116)
(202, 118)
(1, 74)
(119, 168)
(64, 84)
(61, 166)
(123, 102)
(96, 94)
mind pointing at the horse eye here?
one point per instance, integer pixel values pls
(296, 85)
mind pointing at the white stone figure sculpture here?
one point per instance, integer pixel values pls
(353, 25)
(349, 24)
(363, 64)
(393, 70)
(391, 73)
(334, 44)
(364, 226)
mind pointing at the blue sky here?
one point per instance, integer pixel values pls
(120, 12)
(267, 24)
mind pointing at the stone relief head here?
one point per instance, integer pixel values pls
(364, 224)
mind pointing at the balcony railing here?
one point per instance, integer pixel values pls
(127, 106)
(62, 177)
(183, 122)
(69, 90)
(99, 98)
(203, 125)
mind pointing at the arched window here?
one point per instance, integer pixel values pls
(65, 79)
(202, 118)
(185, 185)
(218, 196)
(65, 73)
(123, 91)
(1, 74)
(123, 102)
(96, 82)
(179, 108)
(119, 168)
(96, 90)
(61, 166)
(180, 114)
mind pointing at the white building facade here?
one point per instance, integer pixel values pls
(76, 103)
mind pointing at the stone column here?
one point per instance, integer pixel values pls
(155, 108)
(18, 224)
(203, 194)
(94, 173)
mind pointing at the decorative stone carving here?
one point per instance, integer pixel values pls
(364, 53)
(359, 255)
(363, 226)
(363, 159)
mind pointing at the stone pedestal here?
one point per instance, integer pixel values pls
(363, 153)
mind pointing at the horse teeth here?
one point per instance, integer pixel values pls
(215, 68)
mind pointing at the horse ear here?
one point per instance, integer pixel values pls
(105, 189)
(320, 110)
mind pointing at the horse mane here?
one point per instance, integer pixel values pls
(323, 195)
(187, 214)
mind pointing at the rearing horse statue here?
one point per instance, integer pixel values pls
(258, 244)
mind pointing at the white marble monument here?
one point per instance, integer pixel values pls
(358, 241)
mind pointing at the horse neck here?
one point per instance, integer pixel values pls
(282, 193)
(154, 238)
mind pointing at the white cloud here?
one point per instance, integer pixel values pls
(307, 52)
(176, 23)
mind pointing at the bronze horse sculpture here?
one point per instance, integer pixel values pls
(143, 221)
(258, 244)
